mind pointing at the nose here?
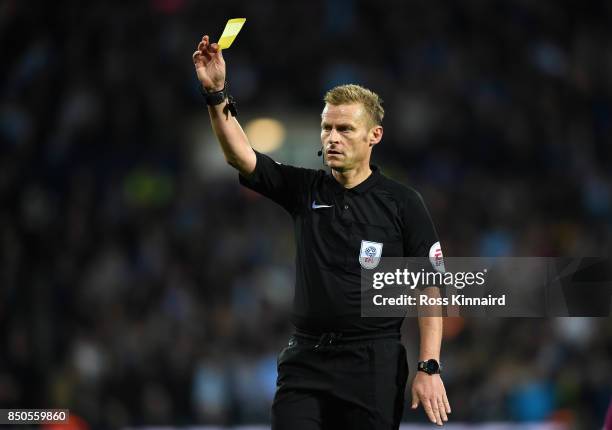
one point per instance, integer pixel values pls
(333, 136)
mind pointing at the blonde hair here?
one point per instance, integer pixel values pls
(351, 93)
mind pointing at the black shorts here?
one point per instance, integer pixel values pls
(340, 384)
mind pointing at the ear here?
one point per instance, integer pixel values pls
(375, 135)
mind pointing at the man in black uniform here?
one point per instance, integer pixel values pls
(339, 371)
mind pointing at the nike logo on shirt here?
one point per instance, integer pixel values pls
(316, 206)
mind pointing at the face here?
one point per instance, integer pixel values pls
(347, 136)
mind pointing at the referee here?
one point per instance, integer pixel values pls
(339, 370)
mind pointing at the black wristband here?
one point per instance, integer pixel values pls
(218, 97)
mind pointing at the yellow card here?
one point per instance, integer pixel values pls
(232, 28)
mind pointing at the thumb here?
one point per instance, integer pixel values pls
(415, 400)
(215, 48)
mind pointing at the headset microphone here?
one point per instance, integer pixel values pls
(320, 153)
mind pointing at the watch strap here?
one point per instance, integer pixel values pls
(214, 98)
(217, 97)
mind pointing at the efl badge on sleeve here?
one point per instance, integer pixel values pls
(370, 253)
(436, 258)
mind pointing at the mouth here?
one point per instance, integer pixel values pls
(333, 152)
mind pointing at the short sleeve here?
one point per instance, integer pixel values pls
(420, 236)
(421, 239)
(283, 184)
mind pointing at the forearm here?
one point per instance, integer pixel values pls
(234, 142)
(428, 389)
(430, 329)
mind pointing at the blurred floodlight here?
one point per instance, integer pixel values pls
(265, 134)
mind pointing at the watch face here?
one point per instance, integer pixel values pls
(432, 366)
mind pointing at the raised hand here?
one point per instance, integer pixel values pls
(209, 65)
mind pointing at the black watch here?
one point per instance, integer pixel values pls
(218, 97)
(215, 97)
(430, 366)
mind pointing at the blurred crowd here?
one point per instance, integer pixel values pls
(133, 292)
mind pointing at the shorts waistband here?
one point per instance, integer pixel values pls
(334, 338)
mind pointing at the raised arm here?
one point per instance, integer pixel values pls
(210, 68)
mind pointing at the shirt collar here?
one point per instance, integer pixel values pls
(362, 187)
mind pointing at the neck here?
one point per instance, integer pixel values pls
(353, 177)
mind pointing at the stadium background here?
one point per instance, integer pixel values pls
(141, 285)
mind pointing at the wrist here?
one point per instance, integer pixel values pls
(431, 366)
(429, 357)
(214, 88)
(219, 97)
(215, 97)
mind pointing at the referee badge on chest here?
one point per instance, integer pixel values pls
(370, 253)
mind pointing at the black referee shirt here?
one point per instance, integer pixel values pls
(331, 224)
